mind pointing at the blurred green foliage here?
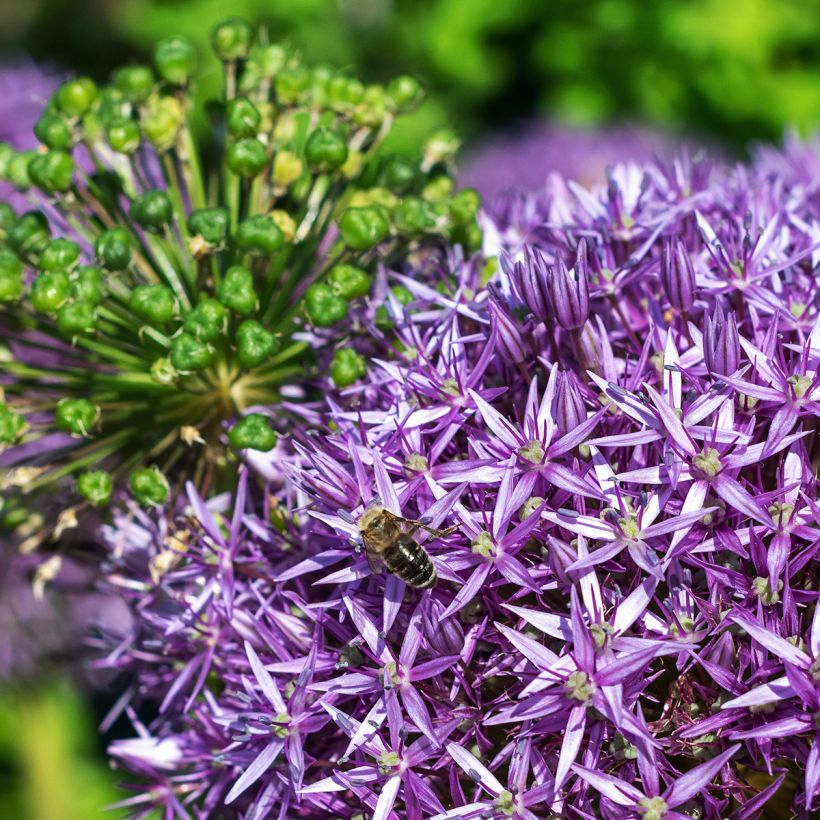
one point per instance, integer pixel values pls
(735, 69)
(50, 762)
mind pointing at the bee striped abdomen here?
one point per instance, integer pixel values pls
(410, 562)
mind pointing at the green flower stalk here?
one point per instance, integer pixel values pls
(153, 295)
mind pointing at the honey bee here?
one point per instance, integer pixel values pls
(388, 542)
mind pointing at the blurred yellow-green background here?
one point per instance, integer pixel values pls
(730, 72)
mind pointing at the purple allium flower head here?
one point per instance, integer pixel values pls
(617, 488)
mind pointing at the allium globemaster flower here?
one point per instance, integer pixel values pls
(156, 296)
(625, 618)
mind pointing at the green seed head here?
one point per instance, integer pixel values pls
(252, 432)
(231, 39)
(29, 234)
(206, 321)
(49, 291)
(135, 82)
(95, 486)
(652, 808)
(326, 150)
(12, 425)
(247, 157)
(52, 171)
(176, 60)
(484, 545)
(529, 507)
(505, 803)
(152, 209)
(405, 93)
(708, 462)
(242, 118)
(149, 487)
(76, 318)
(323, 307)
(236, 291)
(54, 132)
(363, 228)
(347, 367)
(579, 687)
(254, 343)
(259, 234)
(88, 285)
(113, 249)
(59, 254)
(124, 135)
(349, 282)
(189, 353)
(75, 97)
(76, 416)
(209, 223)
(154, 304)
(533, 452)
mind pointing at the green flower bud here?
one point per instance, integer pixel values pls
(7, 218)
(236, 290)
(464, 205)
(154, 304)
(325, 150)
(323, 307)
(124, 135)
(75, 318)
(247, 157)
(252, 432)
(291, 84)
(347, 367)
(349, 282)
(12, 286)
(438, 189)
(12, 425)
(76, 96)
(54, 132)
(113, 249)
(243, 118)
(363, 228)
(136, 82)
(441, 147)
(59, 254)
(49, 291)
(76, 416)
(287, 168)
(88, 285)
(206, 320)
(29, 234)
(399, 174)
(414, 215)
(264, 63)
(161, 121)
(175, 59)
(95, 487)
(189, 353)
(153, 209)
(149, 487)
(209, 223)
(231, 39)
(52, 172)
(344, 93)
(405, 92)
(259, 233)
(254, 343)
(371, 111)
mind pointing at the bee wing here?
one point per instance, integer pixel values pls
(374, 559)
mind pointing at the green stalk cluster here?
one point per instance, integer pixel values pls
(152, 296)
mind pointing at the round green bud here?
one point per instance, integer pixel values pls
(399, 174)
(344, 92)
(252, 432)
(163, 372)
(76, 416)
(18, 171)
(371, 111)
(7, 218)
(124, 135)
(265, 61)
(29, 234)
(347, 367)
(12, 285)
(325, 150)
(9, 261)
(149, 487)
(52, 172)
(153, 209)
(348, 281)
(242, 118)
(287, 168)
(53, 131)
(323, 307)
(209, 223)
(231, 39)
(254, 343)
(259, 233)
(154, 304)
(12, 425)
(236, 290)
(441, 147)
(363, 228)
(438, 189)
(247, 157)
(49, 291)
(76, 96)
(414, 215)
(95, 486)
(136, 82)
(206, 320)
(291, 83)
(113, 249)
(464, 205)
(88, 285)
(405, 92)
(189, 353)
(161, 121)
(75, 318)
(59, 254)
(175, 59)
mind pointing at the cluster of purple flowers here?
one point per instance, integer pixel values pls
(618, 417)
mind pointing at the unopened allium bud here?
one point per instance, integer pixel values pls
(347, 367)
(569, 291)
(721, 345)
(252, 432)
(677, 275)
(568, 408)
(231, 39)
(149, 486)
(528, 277)
(175, 59)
